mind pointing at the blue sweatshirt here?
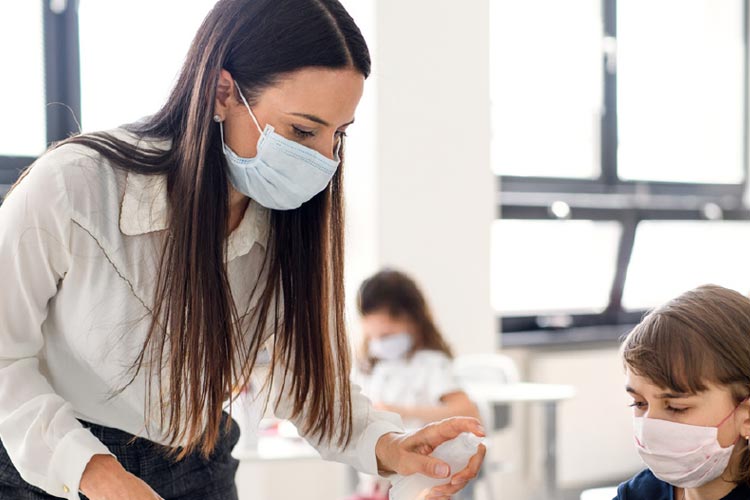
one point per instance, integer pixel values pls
(645, 486)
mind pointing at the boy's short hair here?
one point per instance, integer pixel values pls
(701, 337)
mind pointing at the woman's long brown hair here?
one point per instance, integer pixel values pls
(197, 333)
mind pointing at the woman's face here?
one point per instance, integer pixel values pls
(381, 324)
(706, 409)
(312, 106)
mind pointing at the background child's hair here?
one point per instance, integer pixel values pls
(701, 337)
(394, 293)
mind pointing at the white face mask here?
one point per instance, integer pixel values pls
(391, 347)
(283, 174)
(686, 456)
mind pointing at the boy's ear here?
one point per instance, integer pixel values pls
(745, 412)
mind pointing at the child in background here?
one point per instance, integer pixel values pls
(404, 364)
(688, 371)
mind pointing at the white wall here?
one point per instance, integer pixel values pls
(595, 429)
(430, 200)
(360, 175)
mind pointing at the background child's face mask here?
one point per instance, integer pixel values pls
(391, 347)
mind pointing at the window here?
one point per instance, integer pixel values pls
(546, 87)
(21, 88)
(680, 91)
(670, 257)
(619, 143)
(80, 67)
(550, 270)
(124, 77)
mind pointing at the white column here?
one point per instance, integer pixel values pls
(434, 190)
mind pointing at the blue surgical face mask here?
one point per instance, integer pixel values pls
(283, 174)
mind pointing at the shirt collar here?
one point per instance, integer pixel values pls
(145, 209)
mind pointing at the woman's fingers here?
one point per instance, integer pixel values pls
(410, 453)
(437, 433)
(415, 463)
(472, 468)
(460, 479)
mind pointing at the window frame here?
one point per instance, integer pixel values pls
(608, 198)
(61, 82)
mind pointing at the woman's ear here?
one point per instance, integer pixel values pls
(223, 94)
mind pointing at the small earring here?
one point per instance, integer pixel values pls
(217, 119)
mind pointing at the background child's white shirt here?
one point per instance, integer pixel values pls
(421, 380)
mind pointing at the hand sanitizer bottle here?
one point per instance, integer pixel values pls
(456, 453)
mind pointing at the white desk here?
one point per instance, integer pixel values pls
(281, 448)
(278, 440)
(523, 392)
(277, 448)
(286, 449)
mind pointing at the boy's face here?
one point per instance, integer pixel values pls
(706, 409)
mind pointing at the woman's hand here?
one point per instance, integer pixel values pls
(106, 479)
(407, 454)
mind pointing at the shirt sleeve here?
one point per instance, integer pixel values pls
(368, 425)
(361, 380)
(45, 442)
(442, 379)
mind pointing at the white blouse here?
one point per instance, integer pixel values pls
(79, 250)
(420, 380)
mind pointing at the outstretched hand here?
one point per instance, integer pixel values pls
(408, 453)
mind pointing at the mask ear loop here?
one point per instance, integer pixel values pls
(244, 101)
(337, 153)
(733, 411)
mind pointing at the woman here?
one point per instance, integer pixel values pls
(144, 270)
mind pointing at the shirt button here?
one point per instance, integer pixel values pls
(65, 488)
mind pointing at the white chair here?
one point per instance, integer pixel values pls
(600, 493)
(487, 368)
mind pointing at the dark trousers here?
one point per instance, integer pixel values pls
(192, 478)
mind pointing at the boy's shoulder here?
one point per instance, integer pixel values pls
(644, 486)
(741, 492)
